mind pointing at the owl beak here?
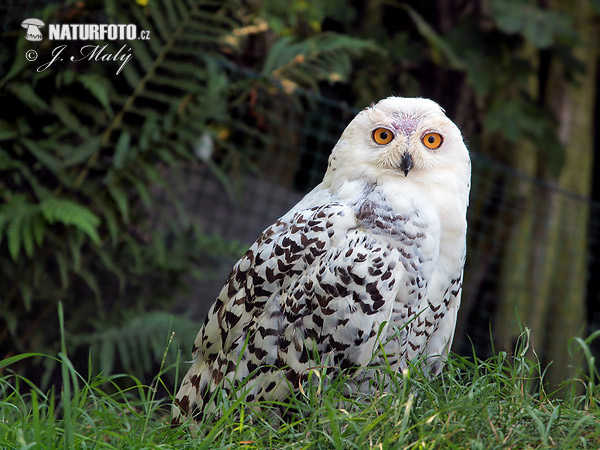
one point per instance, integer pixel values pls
(406, 163)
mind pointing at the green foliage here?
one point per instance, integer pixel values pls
(541, 27)
(90, 214)
(441, 52)
(138, 340)
(285, 18)
(522, 120)
(26, 223)
(323, 57)
(92, 208)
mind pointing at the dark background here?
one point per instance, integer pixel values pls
(128, 197)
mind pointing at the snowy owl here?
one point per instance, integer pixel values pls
(372, 258)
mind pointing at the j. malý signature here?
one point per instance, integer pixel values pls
(91, 53)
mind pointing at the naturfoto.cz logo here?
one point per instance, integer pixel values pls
(84, 32)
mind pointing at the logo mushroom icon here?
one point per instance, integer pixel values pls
(33, 29)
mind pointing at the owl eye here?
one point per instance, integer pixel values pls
(432, 140)
(382, 136)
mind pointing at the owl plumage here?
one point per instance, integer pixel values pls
(372, 257)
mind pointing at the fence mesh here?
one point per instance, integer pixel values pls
(532, 248)
(527, 239)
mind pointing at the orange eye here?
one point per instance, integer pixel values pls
(382, 136)
(432, 140)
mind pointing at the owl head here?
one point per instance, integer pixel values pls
(400, 139)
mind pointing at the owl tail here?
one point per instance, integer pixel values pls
(181, 406)
(188, 399)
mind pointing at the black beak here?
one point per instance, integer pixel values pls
(406, 163)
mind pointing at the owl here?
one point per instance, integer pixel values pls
(371, 259)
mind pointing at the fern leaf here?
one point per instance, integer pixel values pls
(320, 57)
(25, 93)
(3, 221)
(151, 173)
(171, 14)
(13, 234)
(434, 39)
(121, 150)
(69, 119)
(63, 267)
(45, 158)
(27, 295)
(141, 188)
(68, 212)
(148, 132)
(27, 234)
(131, 73)
(83, 152)
(107, 356)
(90, 282)
(18, 216)
(142, 54)
(120, 198)
(164, 29)
(7, 134)
(99, 87)
(38, 227)
(125, 355)
(110, 264)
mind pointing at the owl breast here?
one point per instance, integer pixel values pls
(426, 289)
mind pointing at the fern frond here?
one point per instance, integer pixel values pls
(17, 218)
(68, 212)
(138, 342)
(321, 57)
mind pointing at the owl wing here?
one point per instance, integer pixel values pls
(444, 314)
(314, 280)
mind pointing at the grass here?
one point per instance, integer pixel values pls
(499, 403)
